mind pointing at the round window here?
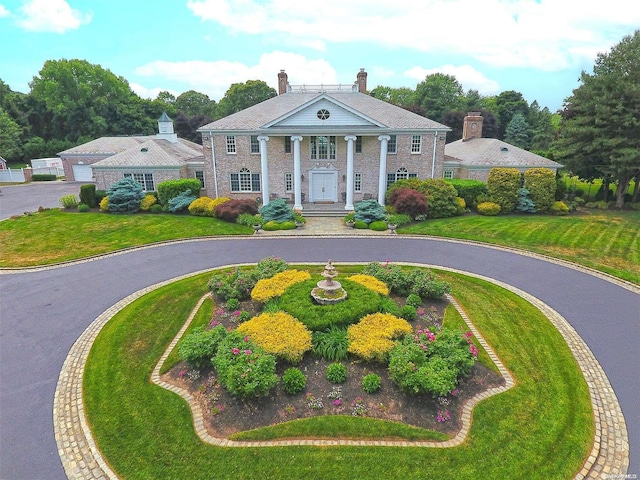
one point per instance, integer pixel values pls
(323, 114)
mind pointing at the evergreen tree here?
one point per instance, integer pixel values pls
(517, 132)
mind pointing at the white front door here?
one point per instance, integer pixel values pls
(324, 187)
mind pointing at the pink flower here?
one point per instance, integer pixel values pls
(237, 313)
(246, 339)
(473, 350)
(247, 352)
(337, 402)
(235, 351)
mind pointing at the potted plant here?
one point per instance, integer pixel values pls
(350, 219)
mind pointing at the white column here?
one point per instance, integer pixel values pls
(264, 170)
(349, 200)
(297, 180)
(382, 178)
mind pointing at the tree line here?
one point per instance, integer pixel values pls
(595, 134)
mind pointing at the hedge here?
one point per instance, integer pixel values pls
(172, 188)
(502, 186)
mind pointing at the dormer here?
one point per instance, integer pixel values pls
(165, 129)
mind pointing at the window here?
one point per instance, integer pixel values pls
(323, 147)
(288, 182)
(231, 144)
(323, 114)
(199, 174)
(357, 182)
(287, 144)
(144, 179)
(416, 143)
(255, 144)
(447, 174)
(400, 174)
(358, 144)
(245, 181)
(392, 144)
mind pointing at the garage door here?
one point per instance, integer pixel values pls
(82, 173)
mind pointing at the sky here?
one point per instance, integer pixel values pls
(535, 47)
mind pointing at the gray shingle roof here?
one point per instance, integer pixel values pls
(491, 152)
(154, 153)
(256, 117)
(105, 146)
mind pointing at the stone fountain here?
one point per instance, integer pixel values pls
(329, 291)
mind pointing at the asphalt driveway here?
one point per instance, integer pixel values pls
(27, 197)
(44, 312)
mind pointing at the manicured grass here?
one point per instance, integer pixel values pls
(603, 240)
(540, 429)
(56, 236)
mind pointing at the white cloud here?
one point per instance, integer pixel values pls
(151, 93)
(50, 16)
(544, 34)
(466, 75)
(3, 11)
(215, 77)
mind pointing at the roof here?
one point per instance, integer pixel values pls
(491, 152)
(105, 146)
(376, 114)
(154, 153)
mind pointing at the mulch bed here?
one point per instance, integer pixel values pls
(226, 414)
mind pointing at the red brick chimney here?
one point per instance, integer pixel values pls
(362, 81)
(472, 126)
(283, 82)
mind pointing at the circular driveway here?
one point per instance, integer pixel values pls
(28, 197)
(44, 311)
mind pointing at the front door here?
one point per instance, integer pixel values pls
(324, 187)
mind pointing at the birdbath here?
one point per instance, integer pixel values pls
(329, 291)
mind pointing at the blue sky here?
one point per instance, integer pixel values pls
(537, 48)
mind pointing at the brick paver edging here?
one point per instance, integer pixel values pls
(82, 460)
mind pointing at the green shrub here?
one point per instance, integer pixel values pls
(181, 201)
(601, 205)
(249, 220)
(428, 363)
(421, 282)
(441, 198)
(43, 177)
(361, 225)
(244, 316)
(297, 302)
(331, 344)
(502, 187)
(272, 226)
(172, 188)
(83, 208)
(488, 208)
(469, 190)
(336, 373)
(378, 226)
(100, 194)
(371, 383)
(414, 300)
(233, 304)
(125, 196)
(69, 201)
(243, 368)
(399, 219)
(276, 211)
(293, 381)
(200, 346)
(559, 208)
(156, 208)
(368, 211)
(88, 195)
(387, 305)
(269, 266)
(541, 183)
(408, 312)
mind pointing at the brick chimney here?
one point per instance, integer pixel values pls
(283, 82)
(472, 126)
(362, 81)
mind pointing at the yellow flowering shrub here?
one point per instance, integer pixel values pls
(279, 334)
(200, 206)
(275, 286)
(104, 204)
(371, 282)
(213, 205)
(373, 337)
(148, 200)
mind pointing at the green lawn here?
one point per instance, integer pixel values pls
(604, 240)
(542, 428)
(56, 236)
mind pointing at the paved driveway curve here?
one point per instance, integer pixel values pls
(44, 312)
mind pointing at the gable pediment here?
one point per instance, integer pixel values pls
(323, 112)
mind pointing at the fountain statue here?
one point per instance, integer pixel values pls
(329, 291)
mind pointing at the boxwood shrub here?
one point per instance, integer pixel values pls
(172, 188)
(378, 226)
(488, 208)
(43, 177)
(502, 186)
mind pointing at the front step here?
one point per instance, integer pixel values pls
(323, 210)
